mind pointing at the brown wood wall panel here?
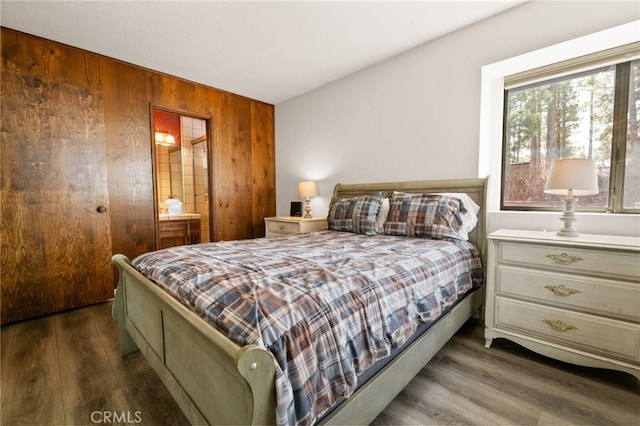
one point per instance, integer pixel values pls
(262, 155)
(103, 106)
(173, 93)
(238, 186)
(55, 244)
(231, 152)
(129, 157)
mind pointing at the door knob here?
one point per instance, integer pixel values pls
(101, 209)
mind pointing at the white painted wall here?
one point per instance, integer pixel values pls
(417, 116)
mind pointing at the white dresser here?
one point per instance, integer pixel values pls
(286, 225)
(573, 299)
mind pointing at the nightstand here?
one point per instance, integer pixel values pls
(287, 225)
(572, 299)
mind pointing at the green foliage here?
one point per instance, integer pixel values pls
(569, 117)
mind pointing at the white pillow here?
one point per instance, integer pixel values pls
(470, 218)
(382, 216)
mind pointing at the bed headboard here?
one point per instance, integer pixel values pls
(476, 188)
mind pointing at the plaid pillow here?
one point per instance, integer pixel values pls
(424, 215)
(357, 215)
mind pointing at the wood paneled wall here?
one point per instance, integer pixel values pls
(242, 151)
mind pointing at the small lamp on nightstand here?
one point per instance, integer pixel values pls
(571, 177)
(306, 190)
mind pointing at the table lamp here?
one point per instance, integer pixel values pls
(571, 177)
(306, 190)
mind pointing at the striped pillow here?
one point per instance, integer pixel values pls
(357, 215)
(424, 215)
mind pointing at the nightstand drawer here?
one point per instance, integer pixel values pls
(284, 228)
(278, 226)
(612, 298)
(582, 331)
(584, 261)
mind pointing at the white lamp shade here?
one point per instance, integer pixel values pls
(307, 189)
(577, 174)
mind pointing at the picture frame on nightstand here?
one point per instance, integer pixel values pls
(296, 209)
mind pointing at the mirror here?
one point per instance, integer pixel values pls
(175, 173)
(182, 178)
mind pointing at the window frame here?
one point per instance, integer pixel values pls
(489, 150)
(575, 67)
(619, 140)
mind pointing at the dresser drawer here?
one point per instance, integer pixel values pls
(172, 226)
(605, 263)
(573, 329)
(605, 297)
(284, 228)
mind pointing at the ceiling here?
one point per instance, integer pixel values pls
(266, 50)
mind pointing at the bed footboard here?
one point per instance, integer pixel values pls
(213, 380)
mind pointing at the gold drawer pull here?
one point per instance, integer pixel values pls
(281, 227)
(561, 290)
(564, 258)
(558, 325)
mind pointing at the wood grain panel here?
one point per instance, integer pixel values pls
(232, 182)
(77, 134)
(263, 165)
(511, 379)
(46, 60)
(31, 390)
(22, 257)
(145, 393)
(173, 93)
(508, 384)
(240, 194)
(89, 374)
(224, 133)
(463, 384)
(129, 157)
(56, 246)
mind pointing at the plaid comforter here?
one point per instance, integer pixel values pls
(326, 305)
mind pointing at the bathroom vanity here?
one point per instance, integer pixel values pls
(178, 230)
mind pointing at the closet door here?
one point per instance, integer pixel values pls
(55, 231)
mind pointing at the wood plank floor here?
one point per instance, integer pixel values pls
(66, 369)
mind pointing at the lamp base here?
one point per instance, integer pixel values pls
(307, 208)
(568, 217)
(571, 232)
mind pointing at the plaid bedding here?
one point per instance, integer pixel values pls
(326, 305)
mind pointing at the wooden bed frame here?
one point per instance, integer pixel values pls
(215, 381)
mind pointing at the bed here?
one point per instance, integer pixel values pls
(218, 381)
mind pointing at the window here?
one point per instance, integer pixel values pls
(593, 113)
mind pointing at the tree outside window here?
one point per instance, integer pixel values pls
(573, 117)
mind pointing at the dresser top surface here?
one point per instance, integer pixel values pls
(296, 219)
(612, 241)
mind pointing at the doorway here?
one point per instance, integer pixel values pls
(181, 161)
